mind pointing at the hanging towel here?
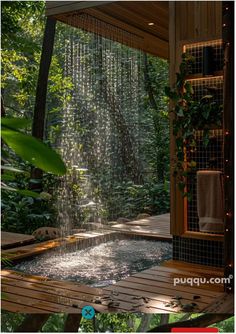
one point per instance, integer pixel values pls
(210, 200)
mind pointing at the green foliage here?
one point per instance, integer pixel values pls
(55, 323)
(114, 323)
(33, 151)
(10, 321)
(25, 214)
(190, 116)
(226, 326)
(127, 199)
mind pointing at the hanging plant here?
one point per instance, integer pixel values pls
(189, 116)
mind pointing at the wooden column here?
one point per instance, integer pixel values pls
(41, 90)
(228, 40)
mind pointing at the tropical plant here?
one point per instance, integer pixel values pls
(190, 115)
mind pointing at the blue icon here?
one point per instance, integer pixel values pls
(88, 312)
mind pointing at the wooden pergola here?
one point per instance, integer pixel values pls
(165, 28)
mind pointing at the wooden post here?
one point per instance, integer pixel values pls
(41, 90)
(33, 323)
(72, 323)
(228, 41)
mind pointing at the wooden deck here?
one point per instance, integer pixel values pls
(10, 240)
(154, 226)
(79, 239)
(149, 291)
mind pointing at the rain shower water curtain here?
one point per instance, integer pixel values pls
(102, 120)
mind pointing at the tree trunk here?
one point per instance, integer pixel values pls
(202, 321)
(160, 170)
(32, 323)
(164, 319)
(41, 91)
(145, 322)
(72, 323)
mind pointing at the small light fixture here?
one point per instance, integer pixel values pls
(151, 23)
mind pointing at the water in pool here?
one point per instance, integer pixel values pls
(99, 265)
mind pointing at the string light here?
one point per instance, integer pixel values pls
(226, 133)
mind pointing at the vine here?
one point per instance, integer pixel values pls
(189, 116)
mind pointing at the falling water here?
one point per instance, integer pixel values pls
(101, 118)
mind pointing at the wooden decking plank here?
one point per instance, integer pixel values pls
(194, 267)
(71, 286)
(207, 288)
(62, 296)
(19, 308)
(183, 274)
(179, 270)
(162, 300)
(36, 249)
(10, 240)
(51, 293)
(166, 273)
(154, 226)
(223, 304)
(164, 291)
(27, 300)
(164, 284)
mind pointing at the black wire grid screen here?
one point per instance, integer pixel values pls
(196, 50)
(210, 157)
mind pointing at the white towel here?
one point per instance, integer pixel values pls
(210, 201)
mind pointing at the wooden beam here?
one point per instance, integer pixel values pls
(41, 90)
(59, 7)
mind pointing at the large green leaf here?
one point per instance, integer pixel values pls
(34, 151)
(15, 123)
(23, 192)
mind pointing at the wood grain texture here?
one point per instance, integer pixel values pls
(149, 291)
(189, 22)
(157, 227)
(130, 16)
(10, 240)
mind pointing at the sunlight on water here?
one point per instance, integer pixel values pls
(100, 265)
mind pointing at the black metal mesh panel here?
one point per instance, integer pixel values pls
(196, 50)
(210, 157)
(204, 252)
(208, 85)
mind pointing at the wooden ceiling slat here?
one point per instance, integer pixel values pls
(150, 7)
(126, 15)
(137, 20)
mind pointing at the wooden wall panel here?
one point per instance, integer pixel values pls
(198, 20)
(189, 21)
